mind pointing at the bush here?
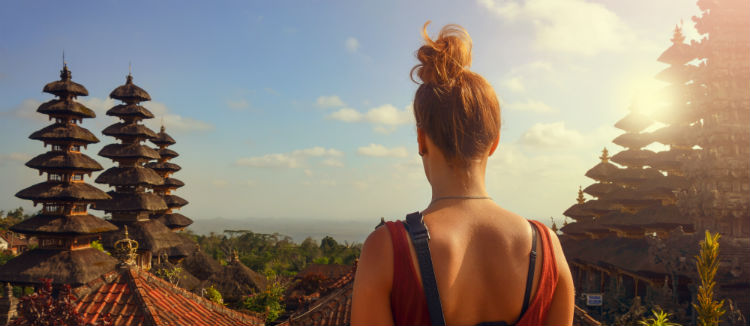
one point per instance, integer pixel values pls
(707, 262)
(269, 302)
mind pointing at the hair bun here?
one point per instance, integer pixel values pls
(444, 59)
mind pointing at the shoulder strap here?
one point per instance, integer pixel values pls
(420, 237)
(530, 275)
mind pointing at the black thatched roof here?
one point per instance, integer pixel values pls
(174, 220)
(130, 93)
(65, 86)
(577, 212)
(679, 53)
(66, 107)
(674, 134)
(163, 139)
(174, 201)
(130, 110)
(131, 202)
(635, 175)
(677, 74)
(603, 171)
(130, 176)
(601, 189)
(201, 265)
(74, 267)
(237, 280)
(74, 224)
(167, 153)
(598, 206)
(634, 122)
(631, 140)
(584, 228)
(59, 191)
(634, 157)
(64, 161)
(163, 166)
(65, 132)
(121, 151)
(135, 130)
(185, 280)
(173, 183)
(151, 235)
(654, 217)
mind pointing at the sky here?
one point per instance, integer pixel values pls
(302, 109)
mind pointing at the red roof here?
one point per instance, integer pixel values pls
(135, 297)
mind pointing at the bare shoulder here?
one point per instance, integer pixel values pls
(373, 279)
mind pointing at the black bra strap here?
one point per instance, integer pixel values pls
(532, 264)
(419, 238)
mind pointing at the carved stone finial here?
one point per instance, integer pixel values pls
(125, 250)
(580, 198)
(605, 155)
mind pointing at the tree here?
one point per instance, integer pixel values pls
(660, 318)
(269, 302)
(707, 262)
(42, 308)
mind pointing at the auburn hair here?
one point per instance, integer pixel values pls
(456, 108)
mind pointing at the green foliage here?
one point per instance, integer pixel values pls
(171, 275)
(707, 262)
(269, 302)
(214, 295)
(660, 318)
(5, 256)
(96, 244)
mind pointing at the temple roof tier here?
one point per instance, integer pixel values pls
(599, 206)
(163, 139)
(130, 93)
(66, 161)
(72, 267)
(601, 189)
(635, 176)
(65, 132)
(173, 183)
(633, 157)
(64, 107)
(677, 74)
(603, 171)
(679, 53)
(56, 224)
(586, 229)
(130, 176)
(632, 140)
(676, 113)
(675, 134)
(671, 160)
(174, 201)
(174, 220)
(132, 202)
(235, 280)
(65, 86)
(62, 192)
(151, 235)
(634, 122)
(130, 110)
(128, 151)
(578, 213)
(167, 153)
(134, 130)
(657, 217)
(163, 166)
(630, 197)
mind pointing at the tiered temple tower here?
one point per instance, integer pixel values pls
(165, 169)
(64, 228)
(132, 203)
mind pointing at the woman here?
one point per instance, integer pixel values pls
(481, 253)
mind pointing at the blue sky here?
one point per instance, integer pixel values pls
(301, 109)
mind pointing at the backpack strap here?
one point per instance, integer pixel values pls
(530, 275)
(419, 238)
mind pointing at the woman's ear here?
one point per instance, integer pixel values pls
(494, 145)
(421, 141)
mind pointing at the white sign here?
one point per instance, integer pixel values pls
(594, 299)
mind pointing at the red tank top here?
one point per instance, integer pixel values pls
(408, 303)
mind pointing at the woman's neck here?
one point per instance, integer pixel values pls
(450, 182)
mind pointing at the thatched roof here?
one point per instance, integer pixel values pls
(66, 107)
(674, 134)
(633, 157)
(65, 86)
(131, 202)
(163, 139)
(601, 189)
(174, 220)
(654, 217)
(678, 113)
(151, 235)
(632, 197)
(634, 122)
(174, 201)
(70, 161)
(49, 191)
(167, 153)
(163, 166)
(625, 253)
(577, 212)
(633, 140)
(130, 110)
(74, 267)
(201, 265)
(635, 176)
(65, 132)
(122, 151)
(603, 171)
(671, 160)
(584, 228)
(236, 280)
(129, 130)
(130, 176)
(185, 280)
(130, 93)
(677, 74)
(679, 53)
(173, 183)
(74, 224)
(598, 206)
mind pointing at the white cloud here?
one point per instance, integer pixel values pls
(376, 150)
(514, 84)
(332, 162)
(568, 26)
(27, 110)
(352, 44)
(238, 105)
(385, 117)
(294, 159)
(531, 106)
(551, 135)
(331, 101)
(14, 157)
(346, 115)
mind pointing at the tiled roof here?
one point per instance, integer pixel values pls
(335, 308)
(135, 297)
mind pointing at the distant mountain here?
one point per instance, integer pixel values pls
(298, 229)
